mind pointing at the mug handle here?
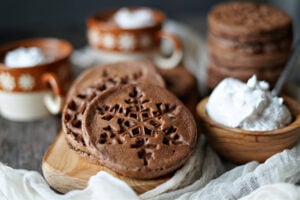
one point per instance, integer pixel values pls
(177, 54)
(54, 101)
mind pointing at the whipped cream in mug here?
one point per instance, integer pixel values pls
(25, 57)
(131, 19)
(247, 106)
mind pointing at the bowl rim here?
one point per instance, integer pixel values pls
(201, 111)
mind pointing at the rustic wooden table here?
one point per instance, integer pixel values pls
(22, 144)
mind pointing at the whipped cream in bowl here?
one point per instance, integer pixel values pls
(247, 106)
(244, 122)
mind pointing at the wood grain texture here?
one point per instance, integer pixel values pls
(66, 170)
(241, 146)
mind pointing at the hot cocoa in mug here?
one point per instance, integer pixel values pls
(34, 74)
(132, 33)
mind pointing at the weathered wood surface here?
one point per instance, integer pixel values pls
(22, 144)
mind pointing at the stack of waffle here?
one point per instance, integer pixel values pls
(246, 39)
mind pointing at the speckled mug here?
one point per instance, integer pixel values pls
(29, 93)
(118, 44)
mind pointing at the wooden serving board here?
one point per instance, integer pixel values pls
(65, 170)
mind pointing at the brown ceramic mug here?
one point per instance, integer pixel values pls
(118, 44)
(28, 93)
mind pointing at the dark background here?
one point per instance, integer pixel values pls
(66, 18)
(38, 13)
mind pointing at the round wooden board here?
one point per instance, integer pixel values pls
(65, 170)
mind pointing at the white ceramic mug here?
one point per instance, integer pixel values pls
(29, 93)
(114, 43)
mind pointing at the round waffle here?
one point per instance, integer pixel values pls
(139, 131)
(138, 71)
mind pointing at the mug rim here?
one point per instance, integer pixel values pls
(63, 55)
(94, 19)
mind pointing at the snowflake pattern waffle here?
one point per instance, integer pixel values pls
(75, 107)
(139, 131)
(94, 82)
(139, 71)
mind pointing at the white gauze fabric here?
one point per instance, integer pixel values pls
(201, 170)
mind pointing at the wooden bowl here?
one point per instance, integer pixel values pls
(241, 146)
